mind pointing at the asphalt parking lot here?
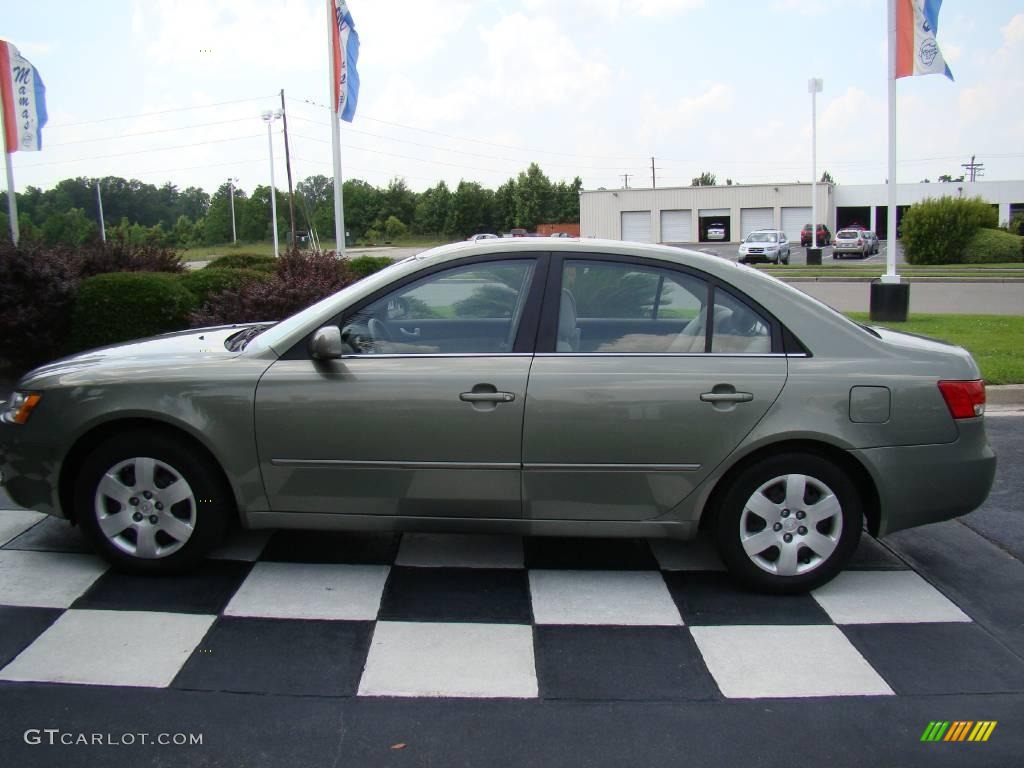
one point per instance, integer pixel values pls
(379, 649)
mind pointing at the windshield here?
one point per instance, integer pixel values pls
(281, 330)
(762, 237)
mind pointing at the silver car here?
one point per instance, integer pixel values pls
(767, 245)
(851, 242)
(543, 387)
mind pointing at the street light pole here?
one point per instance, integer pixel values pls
(269, 118)
(234, 232)
(814, 86)
(99, 205)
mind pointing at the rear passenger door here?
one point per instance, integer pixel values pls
(646, 377)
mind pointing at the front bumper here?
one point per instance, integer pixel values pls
(921, 484)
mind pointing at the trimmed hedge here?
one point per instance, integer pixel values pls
(244, 261)
(994, 246)
(367, 265)
(936, 231)
(121, 306)
(204, 283)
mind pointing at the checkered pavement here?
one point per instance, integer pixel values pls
(418, 615)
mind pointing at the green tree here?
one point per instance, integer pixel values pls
(70, 227)
(826, 178)
(532, 197)
(398, 201)
(504, 208)
(432, 210)
(471, 210)
(706, 179)
(218, 217)
(393, 228)
(566, 202)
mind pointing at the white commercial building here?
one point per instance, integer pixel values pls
(683, 214)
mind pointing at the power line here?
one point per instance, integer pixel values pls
(162, 111)
(149, 133)
(141, 151)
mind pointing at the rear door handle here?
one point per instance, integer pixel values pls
(727, 397)
(487, 397)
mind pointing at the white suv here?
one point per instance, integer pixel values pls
(768, 245)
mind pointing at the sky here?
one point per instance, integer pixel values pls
(172, 90)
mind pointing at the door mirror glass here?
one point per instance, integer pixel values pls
(326, 343)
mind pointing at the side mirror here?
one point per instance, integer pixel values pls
(326, 343)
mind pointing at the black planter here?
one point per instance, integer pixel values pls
(890, 301)
(814, 256)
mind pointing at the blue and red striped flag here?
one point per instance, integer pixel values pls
(344, 55)
(23, 99)
(917, 53)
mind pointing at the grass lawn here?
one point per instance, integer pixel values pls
(995, 341)
(202, 253)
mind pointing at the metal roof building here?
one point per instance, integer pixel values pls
(684, 214)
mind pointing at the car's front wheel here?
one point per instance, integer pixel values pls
(151, 503)
(789, 523)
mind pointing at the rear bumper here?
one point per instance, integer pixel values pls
(923, 484)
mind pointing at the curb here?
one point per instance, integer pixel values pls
(1004, 394)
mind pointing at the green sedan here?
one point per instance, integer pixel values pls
(555, 387)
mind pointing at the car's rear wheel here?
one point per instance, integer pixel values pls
(789, 523)
(151, 503)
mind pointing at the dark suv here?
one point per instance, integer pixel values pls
(824, 236)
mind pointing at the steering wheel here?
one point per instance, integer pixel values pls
(378, 330)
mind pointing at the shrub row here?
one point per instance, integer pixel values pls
(994, 246)
(937, 231)
(55, 301)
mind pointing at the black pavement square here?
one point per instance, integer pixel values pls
(19, 627)
(712, 598)
(278, 656)
(496, 595)
(565, 553)
(52, 535)
(353, 548)
(205, 589)
(921, 659)
(632, 663)
(872, 555)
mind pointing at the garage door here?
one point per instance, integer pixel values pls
(756, 218)
(715, 212)
(636, 226)
(793, 221)
(676, 227)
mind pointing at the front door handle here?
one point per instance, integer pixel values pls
(727, 397)
(487, 397)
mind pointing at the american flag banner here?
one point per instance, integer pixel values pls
(23, 98)
(344, 55)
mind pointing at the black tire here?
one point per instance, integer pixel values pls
(844, 526)
(207, 509)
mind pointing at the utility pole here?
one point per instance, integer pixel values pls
(288, 167)
(973, 168)
(653, 183)
(234, 232)
(99, 202)
(625, 180)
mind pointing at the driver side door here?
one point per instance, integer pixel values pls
(423, 416)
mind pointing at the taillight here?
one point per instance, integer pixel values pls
(965, 399)
(859, 241)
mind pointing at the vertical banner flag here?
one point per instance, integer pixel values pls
(344, 55)
(917, 53)
(23, 100)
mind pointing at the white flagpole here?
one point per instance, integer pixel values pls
(339, 213)
(12, 202)
(99, 203)
(890, 275)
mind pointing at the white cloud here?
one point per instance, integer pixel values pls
(1013, 33)
(613, 9)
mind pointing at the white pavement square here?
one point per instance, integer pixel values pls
(885, 597)
(780, 661)
(636, 598)
(14, 522)
(132, 648)
(46, 579)
(456, 550)
(310, 591)
(451, 660)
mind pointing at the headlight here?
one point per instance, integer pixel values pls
(772, 248)
(19, 407)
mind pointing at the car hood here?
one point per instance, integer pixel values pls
(177, 349)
